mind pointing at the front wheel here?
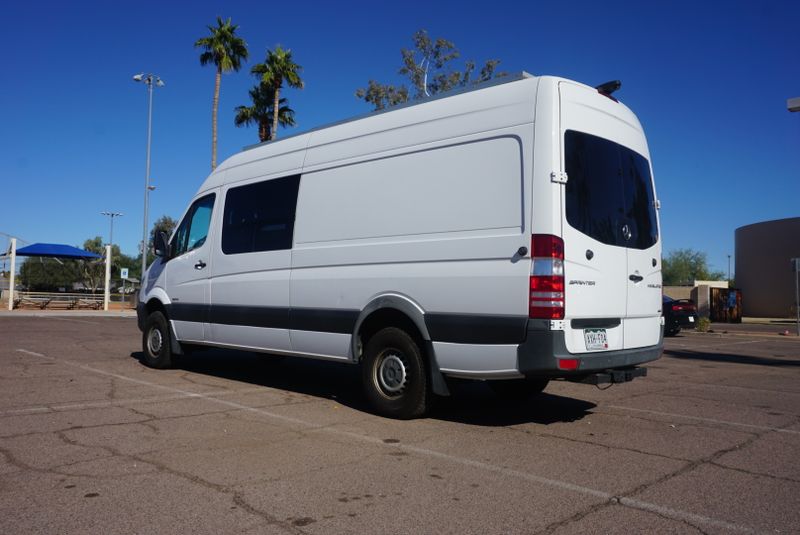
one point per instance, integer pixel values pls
(393, 375)
(156, 341)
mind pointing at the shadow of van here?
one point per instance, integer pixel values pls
(471, 402)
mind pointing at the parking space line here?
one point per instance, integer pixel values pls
(675, 514)
(70, 319)
(693, 346)
(35, 354)
(121, 402)
(707, 420)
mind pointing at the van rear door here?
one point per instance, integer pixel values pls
(610, 230)
(643, 311)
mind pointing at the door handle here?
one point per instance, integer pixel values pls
(200, 265)
(636, 278)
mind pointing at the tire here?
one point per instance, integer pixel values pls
(518, 389)
(156, 341)
(673, 331)
(394, 375)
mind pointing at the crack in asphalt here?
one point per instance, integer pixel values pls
(96, 404)
(757, 474)
(112, 390)
(756, 428)
(683, 395)
(623, 499)
(160, 467)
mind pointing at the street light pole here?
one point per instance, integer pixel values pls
(793, 105)
(729, 268)
(111, 215)
(149, 80)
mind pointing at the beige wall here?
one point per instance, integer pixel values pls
(711, 284)
(763, 272)
(678, 292)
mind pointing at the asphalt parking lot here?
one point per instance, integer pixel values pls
(91, 441)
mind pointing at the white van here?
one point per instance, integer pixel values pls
(506, 233)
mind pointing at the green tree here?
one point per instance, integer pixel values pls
(163, 224)
(278, 68)
(684, 266)
(226, 51)
(382, 96)
(129, 262)
(48, 274)
(260, 112)
(93, 272)
(428, 67)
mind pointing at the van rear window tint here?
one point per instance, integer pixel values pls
(609, 192)
(260, 216)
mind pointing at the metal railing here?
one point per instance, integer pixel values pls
(69, 301)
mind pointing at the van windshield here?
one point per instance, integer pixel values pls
(609, 192)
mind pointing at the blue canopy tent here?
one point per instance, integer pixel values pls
(55, 250)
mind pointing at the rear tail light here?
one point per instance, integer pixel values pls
(568, 364)
(546, 299)
(683, 306)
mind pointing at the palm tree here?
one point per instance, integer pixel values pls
(226, 51)
(277, 69)
(260, 112)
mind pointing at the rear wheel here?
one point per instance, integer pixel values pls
(394, 376)
(673, 331)
(518, 389)
(156, 341)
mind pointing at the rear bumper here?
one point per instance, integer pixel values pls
(539, 356)
(680, 320)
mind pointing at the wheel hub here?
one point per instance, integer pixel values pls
(392, 374)
(154, 342)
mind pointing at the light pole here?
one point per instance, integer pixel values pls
(793, 104)
(112, 215)
(149, 80)
(729, 268)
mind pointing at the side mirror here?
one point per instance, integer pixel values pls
(161, 245)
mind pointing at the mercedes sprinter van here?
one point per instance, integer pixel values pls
(506, 233)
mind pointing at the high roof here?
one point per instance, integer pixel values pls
(508, 78)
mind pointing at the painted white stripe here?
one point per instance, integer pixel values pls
(69, 319)
(694, 346)
(123, 402)
(564, 485)
(34, 354)
(708, 420)
(764, 339)
(685, 516)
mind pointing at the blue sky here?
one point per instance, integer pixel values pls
(709, 81)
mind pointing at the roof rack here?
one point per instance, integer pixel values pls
(508, 78)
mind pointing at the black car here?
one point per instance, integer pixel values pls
(678, 313)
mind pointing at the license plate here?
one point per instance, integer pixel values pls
(595, 339)
(691, 319)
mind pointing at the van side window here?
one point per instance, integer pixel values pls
(260, 216)
(193, 230)
(609, 192)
